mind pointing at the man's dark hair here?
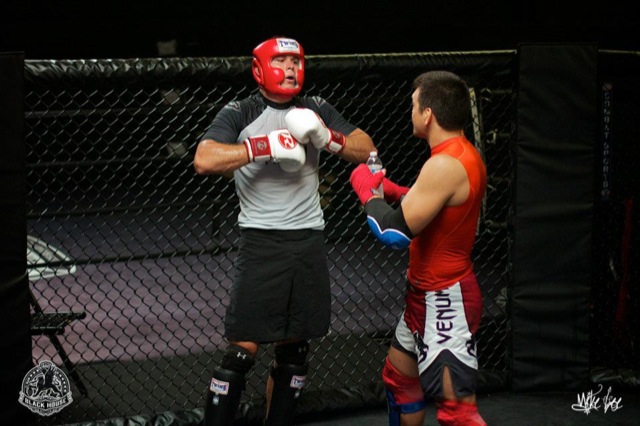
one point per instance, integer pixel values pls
(448, 97)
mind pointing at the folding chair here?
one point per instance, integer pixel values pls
(53, 324)
(40, 256)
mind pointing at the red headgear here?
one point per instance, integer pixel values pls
(270, 78)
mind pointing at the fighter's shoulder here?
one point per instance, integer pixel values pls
(441, 172)
(315, 103)
(241, 111)
(441, 163)
(240, 106)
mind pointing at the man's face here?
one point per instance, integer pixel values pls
(290, 65)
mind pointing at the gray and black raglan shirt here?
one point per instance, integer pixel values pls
(271, 198)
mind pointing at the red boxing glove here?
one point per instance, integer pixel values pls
(392, 191)
(365, 183)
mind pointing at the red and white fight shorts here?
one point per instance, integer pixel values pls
(438, 327)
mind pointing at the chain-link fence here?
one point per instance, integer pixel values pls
(123, 230)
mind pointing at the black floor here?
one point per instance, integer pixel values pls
(509, 409)
(497, 409)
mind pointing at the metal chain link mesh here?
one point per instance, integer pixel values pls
(121, 228)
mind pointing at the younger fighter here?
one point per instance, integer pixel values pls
(433, 352)
(272, 141)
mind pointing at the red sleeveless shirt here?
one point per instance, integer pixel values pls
(440, 255)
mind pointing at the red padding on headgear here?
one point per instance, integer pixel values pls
(270, 78)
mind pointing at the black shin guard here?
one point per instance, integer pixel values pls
(288, 381)
(223, 397)
(227, 384)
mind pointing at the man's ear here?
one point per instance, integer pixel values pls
(427, 115)
(255, 70)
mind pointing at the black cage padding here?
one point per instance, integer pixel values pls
(557, 133)
(15, 345)
(615, 321)
(319, 69)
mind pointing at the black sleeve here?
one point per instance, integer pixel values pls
(388, 224)
(226, 125)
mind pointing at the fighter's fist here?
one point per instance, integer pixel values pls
(306, 126)
(278, 146)
(365, 183)
(392, 191)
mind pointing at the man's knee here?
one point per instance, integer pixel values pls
(404, 393)
(294, 353)
(289, 378)
(237, 359)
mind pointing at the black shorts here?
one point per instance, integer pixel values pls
(281, 287)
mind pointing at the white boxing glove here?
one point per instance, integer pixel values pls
(306, 126)
(278, 146)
